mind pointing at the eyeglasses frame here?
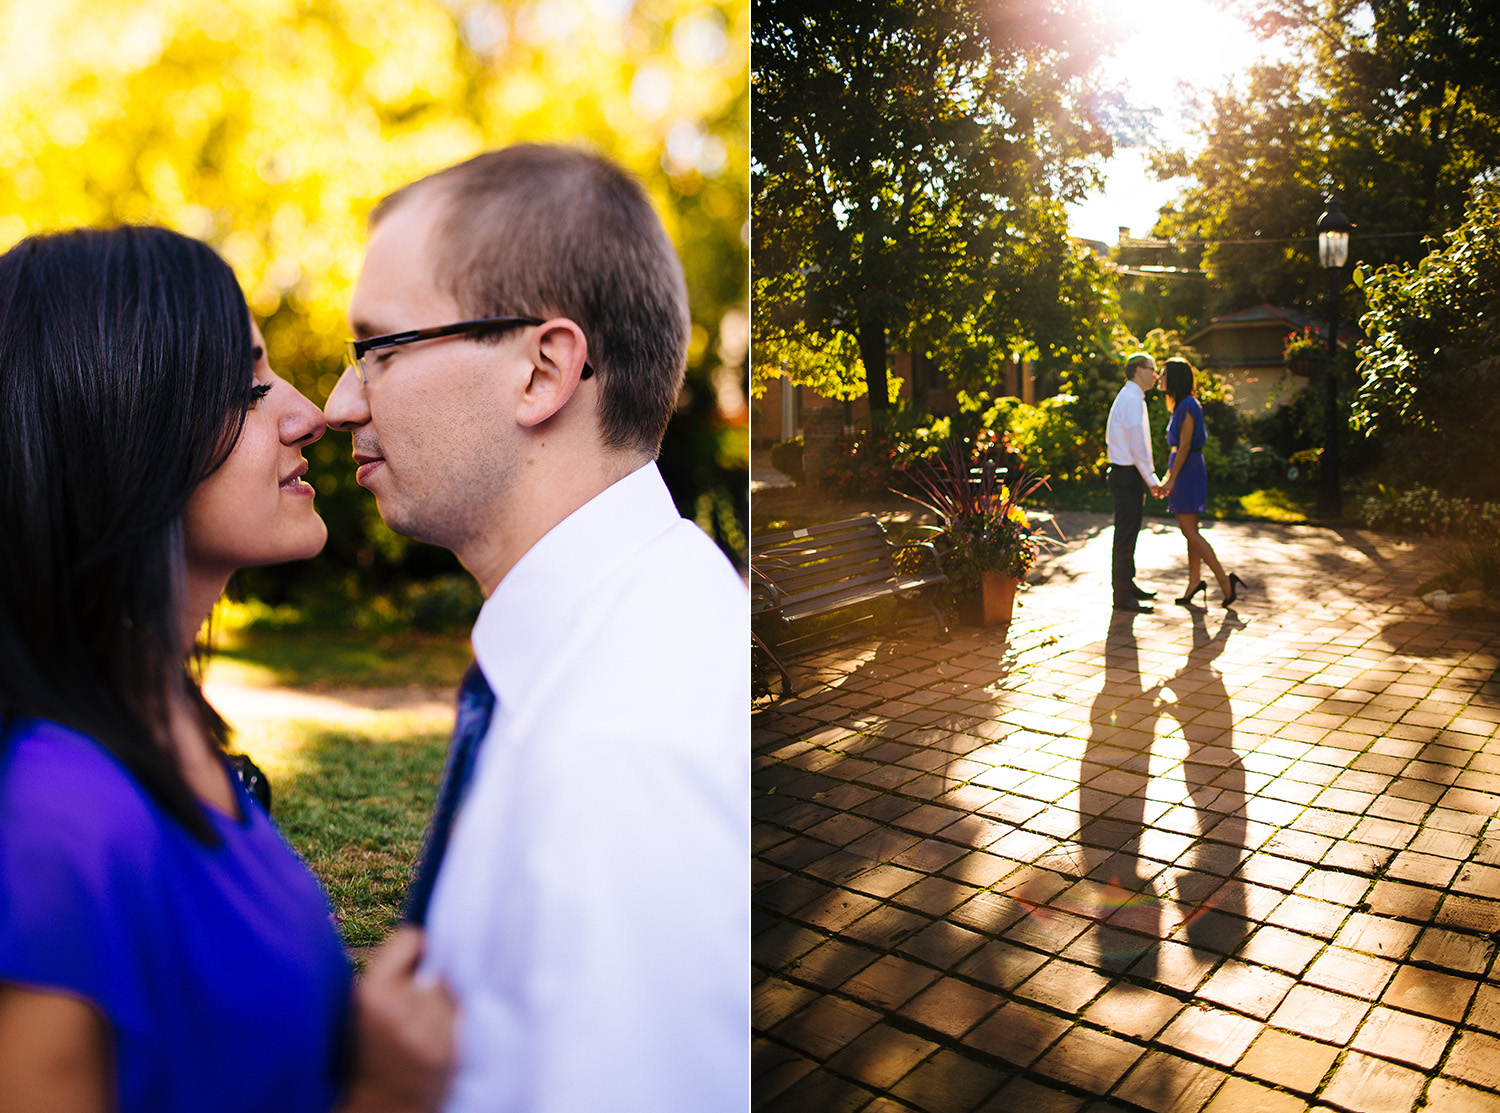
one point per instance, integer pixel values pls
(354, 350)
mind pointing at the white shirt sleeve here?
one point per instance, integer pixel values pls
(1139, 438)
(1129, 433)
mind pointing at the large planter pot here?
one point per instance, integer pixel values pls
(997, 593)
(994, 605)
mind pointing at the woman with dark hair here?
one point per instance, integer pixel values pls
(1186, 485)
(162, 948)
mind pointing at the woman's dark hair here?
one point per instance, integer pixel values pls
(1177, 379)
(125, 374)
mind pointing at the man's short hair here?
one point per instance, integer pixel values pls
(1134, 360)
(551, 231)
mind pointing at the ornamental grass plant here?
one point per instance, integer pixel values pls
(982, 524)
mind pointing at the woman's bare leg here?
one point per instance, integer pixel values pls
(1200, 549)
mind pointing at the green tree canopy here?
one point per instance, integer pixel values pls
(1430, 371)
(269, 128)
(1393, 105)
(911, 161)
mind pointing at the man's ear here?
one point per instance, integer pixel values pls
(558, 351)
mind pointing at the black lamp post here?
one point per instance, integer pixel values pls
(1333, 253)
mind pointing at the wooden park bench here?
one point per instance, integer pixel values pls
(835, 572)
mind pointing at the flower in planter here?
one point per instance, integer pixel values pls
(983, 527)
(1304, 345)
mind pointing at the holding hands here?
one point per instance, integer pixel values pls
(404, 1033)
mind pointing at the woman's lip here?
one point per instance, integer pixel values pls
(296, 485)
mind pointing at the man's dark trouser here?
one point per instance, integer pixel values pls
(1129, 492)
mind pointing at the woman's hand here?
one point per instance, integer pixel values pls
(403, 1033)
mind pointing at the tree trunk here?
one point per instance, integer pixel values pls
(872, 354)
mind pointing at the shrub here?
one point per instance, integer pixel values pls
(1258, 464)
(1421, 510)
(874, 461)
(1302, 466)
(786, 457)
(1474, 527)
(1045, 439)
(864, 463)
(442, 605)
(1050, 441)
(1223, 420)
(1476, 559)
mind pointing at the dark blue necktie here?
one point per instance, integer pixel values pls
(476, 703)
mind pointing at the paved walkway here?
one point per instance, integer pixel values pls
(1182, 861)
(271, 723)
(762, 475)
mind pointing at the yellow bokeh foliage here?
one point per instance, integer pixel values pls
(270, 127)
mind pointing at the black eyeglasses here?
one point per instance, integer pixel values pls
(355, 351)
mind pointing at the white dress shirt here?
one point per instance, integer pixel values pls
(1127, 435)
(592, 914)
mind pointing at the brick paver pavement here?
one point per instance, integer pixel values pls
(1175, 862)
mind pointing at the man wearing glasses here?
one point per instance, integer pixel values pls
(521, 328)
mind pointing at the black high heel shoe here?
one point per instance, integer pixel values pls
(1187, 600)
(1235, 584)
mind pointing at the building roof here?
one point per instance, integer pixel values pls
(1258, 316)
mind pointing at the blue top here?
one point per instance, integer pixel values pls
(218, 969)
(1188, 406)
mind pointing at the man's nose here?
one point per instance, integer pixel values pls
(347, 406)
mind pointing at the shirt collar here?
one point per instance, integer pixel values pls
(1132, 384)
(532, 609)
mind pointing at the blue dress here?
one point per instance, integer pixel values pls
(1190, 491)
(217, 968)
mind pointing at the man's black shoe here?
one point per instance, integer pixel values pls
(1134, 605)
(1142, 593)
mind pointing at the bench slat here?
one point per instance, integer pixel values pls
(820, 534)
(795, 609)
(861, 565)
(775, 566)
(832, 547)
(842, 587)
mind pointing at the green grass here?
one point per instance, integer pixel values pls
(1226, 501)
(352, 786)
(354, 805)
(1269, 504)
(265, 646)
(314, 660)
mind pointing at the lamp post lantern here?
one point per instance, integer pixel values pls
(1333, 254)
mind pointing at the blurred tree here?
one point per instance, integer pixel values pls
(1393, 105)
(269, 127)
(829, 366)
(1041, 296)
(911, 161)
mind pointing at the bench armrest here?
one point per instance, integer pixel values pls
(764, 594)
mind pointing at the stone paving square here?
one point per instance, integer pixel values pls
(1194, 860)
